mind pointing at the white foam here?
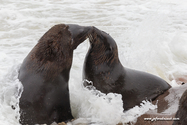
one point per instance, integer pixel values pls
(10, 92)
(100, 108)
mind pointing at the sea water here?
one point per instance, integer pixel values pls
(151, 37)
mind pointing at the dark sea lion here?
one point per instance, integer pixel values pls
(102, 66)
(44, 74)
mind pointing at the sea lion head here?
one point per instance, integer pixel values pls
(54, 50)
(103, 47)
(60, 41)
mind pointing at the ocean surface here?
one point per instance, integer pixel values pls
(151, 37)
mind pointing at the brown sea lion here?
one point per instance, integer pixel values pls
(182, 111)
(102, 66)
(44, 74)
(167, 104)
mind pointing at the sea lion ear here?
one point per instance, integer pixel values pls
(71, 41)
(66, 27)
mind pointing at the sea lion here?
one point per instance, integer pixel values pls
(167, 104)
(102, 66)
(182, 110)
(44, 74)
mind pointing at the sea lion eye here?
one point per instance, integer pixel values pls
(102, 38)
(110, 48)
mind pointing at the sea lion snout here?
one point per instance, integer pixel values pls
(79, 33)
